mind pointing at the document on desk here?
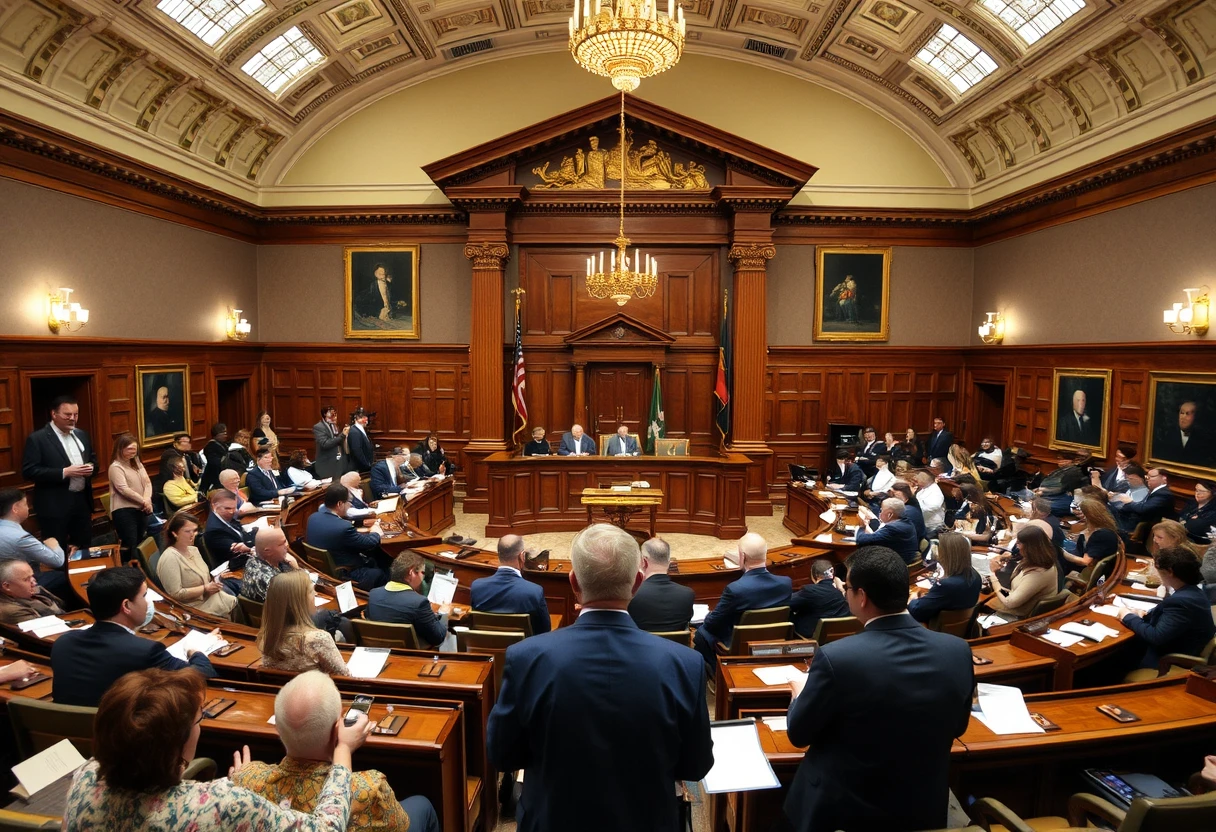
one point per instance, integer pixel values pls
(261, 523)
(387, 505)
(40, 623)
(1094, 632)
(979, 562)
(1111, 610)
(1136, 603)
(699, 612)
(346, 596)
(47, 766)
(993, 620)
(782, 675)
(739, 761)
(828, 516)
(1062, 639)
(367, 662)
(204, 643)
(443, 589)
(1003, 710)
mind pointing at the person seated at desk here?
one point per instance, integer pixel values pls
(433, 457)
(358, 512)
(272, 557)
(386, 478)
(879, 487)
(308, 717)
(299, 470)
(147, 727)
(960, 462)
(1097, 539)
(181, 448)
(844, 475)
(988, 459)
(178, 492)
(1182, 622)
(1033, 579)
(415, 470)
(507, 591)
(184, 574)
(1058, 486)
(1114, 480)
(400, 602)
(231, 481)
(757, 589)
(356, 551)
(263, 483)
(1199, 515)
(975, 509)
(288, 638)
(893, 531)
(21, 598)
(1156, 505)
(85, 663)
(959, 589)
(225, 538)
(660, 605)
(576, 443)
(1169, 534)
(539, 446)
(16, 542)
(912, 512)
(622, 444)
(823, 597)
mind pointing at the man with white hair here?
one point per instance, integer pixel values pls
(358, 510)
(309, 718)
(575, 443)
(21, 598)
(757, 589)
(893, 531)
(575, 704)
(231, 481)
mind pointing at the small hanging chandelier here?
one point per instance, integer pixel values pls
(626, 42)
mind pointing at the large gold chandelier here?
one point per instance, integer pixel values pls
(628, 42)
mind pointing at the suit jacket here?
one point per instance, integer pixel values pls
(614, 446)
(590, 693)
(661, 605)
(1198, 520)
(893, 690)
(263, 488)
(362, 453)
(506, 592)
(756, 589)
(867, 454)
(330, 460)
(348, 547)
(816, 601)
(1157, 506)
(220, 537)
(216, 454)
(405, 606)
(43, 462)
(852, 478)
(383, 482)
(916, 517)
(84, 663)
(584, 445)
(898, 535)
(15, 610)
(938, 444)
(1087, 432)
(956, 592)
(1182, 623)
(1111, 482)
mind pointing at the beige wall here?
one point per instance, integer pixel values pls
(930, 296)
(301, 294)
(1101, 279)
(127, 269)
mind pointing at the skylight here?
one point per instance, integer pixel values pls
(210, 20)
(283, 60)
(956, 59)
(1032, 19)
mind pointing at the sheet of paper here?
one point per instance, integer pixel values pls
(1141, 587)
(449, 553)
(52, 629)
(699, 611)
(621, 488)
(739, 761)
(781, 675)
(77, 569)
(1111, 610)
(443, 589)
(828, 516)
(1003, 710)
(387, 505)
(314, 577)
(925, 583)
(204, 643)
(1062, 639)
(219, 570)
(367, 662)
(1136, 603)
(153, 595)
(45, 767)
(38, 623)
(775, 723)
(827, 495)
(261, 523)
(990, 621)
(320, 600)
(826, 537)
(1096, 631)
(980, 564)
(346, 596)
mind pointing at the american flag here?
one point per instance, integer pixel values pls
(519, 380)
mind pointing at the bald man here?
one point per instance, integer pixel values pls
(270, 557)
(358, 511)
(508, 591)
(231, 481)
(576, 443)
(757, 589)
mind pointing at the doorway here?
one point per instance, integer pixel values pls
(45, 389)
(232, 404)
(989, 410)
(619, 395)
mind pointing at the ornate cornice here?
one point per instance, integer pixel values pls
(488, 256)
(751, 257)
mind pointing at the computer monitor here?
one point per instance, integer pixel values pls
(801, 473)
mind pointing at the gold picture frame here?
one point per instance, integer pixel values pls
(399, 317)
(1168, 395)
(852, 294)
(163, 394)
(1089, 389)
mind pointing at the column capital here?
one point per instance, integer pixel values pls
(491, 256)
(751, 256)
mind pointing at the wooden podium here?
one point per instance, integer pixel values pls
(620, 505)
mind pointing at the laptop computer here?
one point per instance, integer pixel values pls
(801, 473)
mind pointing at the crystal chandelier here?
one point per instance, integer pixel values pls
(626, 276)
(628, 42)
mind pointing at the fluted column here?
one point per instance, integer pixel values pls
(580, 394)
(749, 343)
(486, 345)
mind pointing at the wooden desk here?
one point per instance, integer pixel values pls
(1084, 654)
(619, 506)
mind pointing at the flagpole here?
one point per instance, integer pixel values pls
(517, 384)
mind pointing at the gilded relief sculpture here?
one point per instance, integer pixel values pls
(646, 168)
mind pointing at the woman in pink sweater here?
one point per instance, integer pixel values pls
(130, 494)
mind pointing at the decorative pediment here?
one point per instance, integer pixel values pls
(618, 330)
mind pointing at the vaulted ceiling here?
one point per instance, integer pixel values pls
(1136, 69)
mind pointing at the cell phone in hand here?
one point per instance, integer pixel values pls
(361, 705)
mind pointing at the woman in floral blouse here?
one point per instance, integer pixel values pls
(288, 638)
(146, 730)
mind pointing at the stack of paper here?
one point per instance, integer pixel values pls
(828, 516)
(1003, 710)
(367, 662)
(443, 589)
(1145, 604)
(782, 675)
(925, 583)
(739, 761)
(1062, 639)
(1094, 632)
(775, 723)
(204, 643)
(699, 611)
(320, 600)
(261, 523)
(387, 505)
(1111, 610)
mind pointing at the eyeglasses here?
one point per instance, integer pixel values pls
(201, 717)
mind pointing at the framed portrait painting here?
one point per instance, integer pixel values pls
(852, 291)
(164, 397)
(1078, 406)
(1182, 423)
(381, 291)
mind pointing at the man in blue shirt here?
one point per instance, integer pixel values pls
(16, 542)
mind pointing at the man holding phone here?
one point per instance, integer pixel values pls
(60, 462)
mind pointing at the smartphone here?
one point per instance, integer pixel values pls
(229, 650)
(362, 704)
(980, 659)
(214, 707)
(1044, 723)
(1118, 714)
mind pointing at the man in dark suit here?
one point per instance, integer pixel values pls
(622, 444)
(358, 512)
(362, 451)
(1182, 623)
(329, 529)
(386, 475)
(330, 441)
(86, 662)
(59, 460)
(757, 589)
(507, 591)
(912, 512)
(893, 531)
(226, 539)
(576, 443)
(215, 454)
(575, 703)
(1158, 505)
(870, 450)
(1114, 479)
(400, 601)
(939, 441)
(1076, 426)
(844, 475)
(1185, 441)
(823, 597)
(263, 484)
(181, 448)
(868, 702)
(415, 469)
(661, 605)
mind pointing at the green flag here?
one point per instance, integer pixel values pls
(657, 428)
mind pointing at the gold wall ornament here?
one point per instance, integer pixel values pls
(647, 168)
(626, 40)
(487, 255)
(751, 257)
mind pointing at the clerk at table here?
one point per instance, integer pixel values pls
(539, 446)
(622, 444)
(1182, 623)
(576, 443)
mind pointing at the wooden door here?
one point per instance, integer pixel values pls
(619, 395)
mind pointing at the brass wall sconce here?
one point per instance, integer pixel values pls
(236, 327)
(1191, 316)
(992, 331)
(64, 315)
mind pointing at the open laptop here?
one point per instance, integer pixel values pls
(801, 473)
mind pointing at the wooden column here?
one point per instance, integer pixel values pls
(749, 341)
(580, 394)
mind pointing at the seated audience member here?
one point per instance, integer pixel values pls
(1097, 539)
(911, 448)
(362, 449)
(181, 448)
(184, 574)
(21, 598)
(960, 463)
(308, 716)
(822, 598)
(880, 484)
(178, 492)
(270, 557)
(507, 591)
(1152, 508)
(288, 638)
(660, 605)
(16, 542)
(231, 481)
(400, 602)
(893, 531)
(147, 728)
(240, 457)
(1058, 486)
(299, 470)
(1208, 566)
(214, 454)
(869, 450)
(1199, 515)
(225, 538)
(358, 511)
(539, 446)
(1114, 479)
(912, 512)
(263, 483)
(931, 500)
(85, 663)
(975, 509)
(1033, 579)
(576, 443)
(988, 459)
(959, 588)
(1182, 622)
(844, 475)
(433, 457)
(386, 478)
(414, 469)
(1169, 534)
(130, 494)
(757, 589)
(622, 444)
(356, 551)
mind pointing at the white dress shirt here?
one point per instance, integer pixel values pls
(933, 505)
(74, 450)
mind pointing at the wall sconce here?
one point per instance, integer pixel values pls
(236, 327)
(992, 331)
(64, 315)
(1191, 316)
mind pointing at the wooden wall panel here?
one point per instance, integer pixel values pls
(8, 426)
